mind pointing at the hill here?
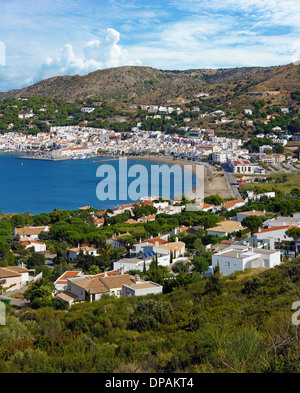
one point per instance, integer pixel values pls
(235, 324)
(138, 84)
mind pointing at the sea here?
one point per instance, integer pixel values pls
(38, 186)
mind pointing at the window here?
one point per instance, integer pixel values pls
(227, 263)
(119, 292)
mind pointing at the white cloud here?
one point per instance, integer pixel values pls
(263, 12)
(96, 55)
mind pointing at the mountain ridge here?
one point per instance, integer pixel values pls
(141, 83)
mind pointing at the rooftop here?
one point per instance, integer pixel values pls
(12, 271)
(244, 252)
(30, 230)
(275, 229)
(226, 226)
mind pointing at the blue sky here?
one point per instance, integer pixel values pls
(43, 38)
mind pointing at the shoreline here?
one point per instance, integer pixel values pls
(205, 177)
(183, 164)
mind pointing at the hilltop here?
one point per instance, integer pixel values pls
(139, 84)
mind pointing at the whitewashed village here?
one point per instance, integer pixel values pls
(264, 248)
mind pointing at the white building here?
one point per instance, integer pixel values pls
(141, 288)
(280, 221)
(38, 246)
(278, 233)
(239, 258)
(221, 156)
(240, 216)
(74, 252)
(62, 281)
(13, 277)
(87, 110)
(30, 233)
(242, 166)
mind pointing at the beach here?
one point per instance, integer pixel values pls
(214, 182)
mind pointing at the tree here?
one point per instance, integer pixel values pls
(18, 221)
(295, 234)
(214, 283)
(180, 266)
(253, 223)
(201, 264)
(94, 269)
(295, 192)
(40, 293)
(35, 259)
(214, 199)
(197, 243)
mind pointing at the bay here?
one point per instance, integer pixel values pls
(37, 186)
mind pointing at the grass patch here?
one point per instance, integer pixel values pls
(284, 182)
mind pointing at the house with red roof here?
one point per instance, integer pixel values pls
(62, 281)
(138, 247)
(147, 218)
(234, 204)
(38, 246)
(277, 233)
(242, 166)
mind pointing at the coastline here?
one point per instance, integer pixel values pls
(184, 164)
(212, 181)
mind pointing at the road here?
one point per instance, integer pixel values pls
(16, 302)
(234, 188)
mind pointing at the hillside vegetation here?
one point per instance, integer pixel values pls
(235, 324)
(146, 84)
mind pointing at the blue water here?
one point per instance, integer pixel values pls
(37, 186)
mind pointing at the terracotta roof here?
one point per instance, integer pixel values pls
(117, 281)
(17, 269)
(253, 213)
(28, 242)
(234, 201)
(131, 221)
(92, 285)
(109, 273)
(85, 248)
(6, 272)
(98, 220)
(30, 230)
(66, 296)
(68, 274)
(103, 284)
(275, 228)
(173, 246)
(226, 226)
(101, 213)
(156, 239)
(205, 206)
